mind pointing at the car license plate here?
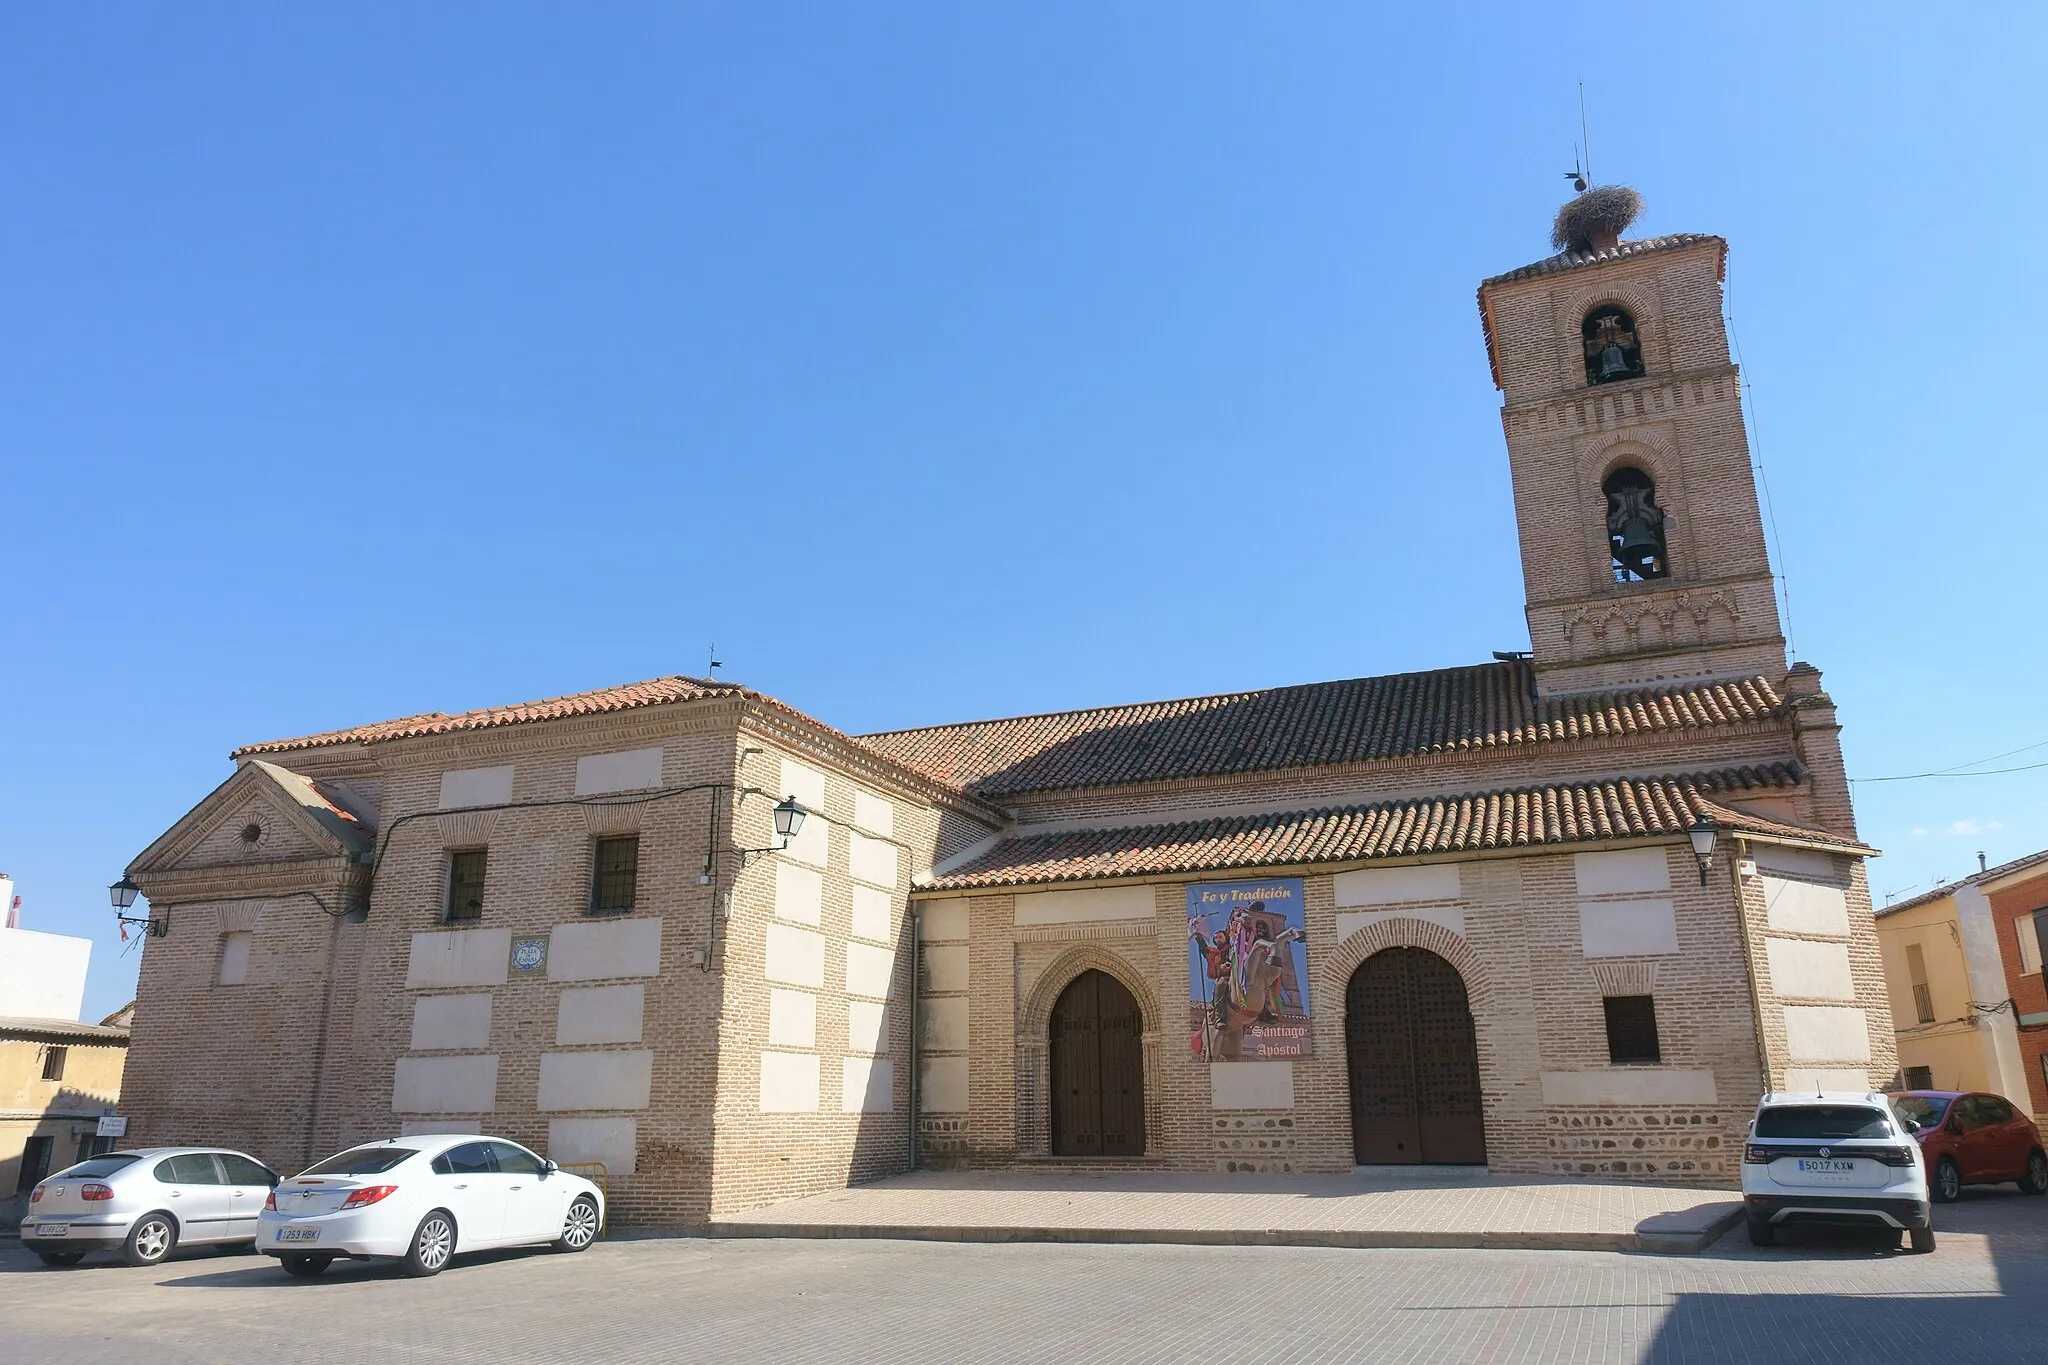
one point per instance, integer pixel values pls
(298, 1234)
(52, 1230)
(1808, 1166)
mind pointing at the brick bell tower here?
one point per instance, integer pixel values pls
(1642, 547)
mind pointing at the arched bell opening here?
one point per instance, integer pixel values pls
(1613, 350)
(1096, 1040)
(1413, 1056)
(1635, 526)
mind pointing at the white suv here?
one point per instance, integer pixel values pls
(1833, 1157)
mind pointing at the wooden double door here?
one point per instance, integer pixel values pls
(1098, 1069)
(1414, 1062)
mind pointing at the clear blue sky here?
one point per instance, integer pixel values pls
(940, 363)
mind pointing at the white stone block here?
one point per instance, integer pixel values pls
(942, 921)
(448, 1022)
(945, 968)
(867, 1026)
(1629, 869)
(1251, 1085)
(1630, 1085)
(468, 787)
(789, 1083)
(1627, 928)
(807, 785)
(435, 1127)
(792, 1018)
(1392, 885)
(874, 914)
(634, 770)
(445, 1085)
(811, 844)
(1826, 1033)
(1803, 908)
(873, 813)
(600, 1014)
(1797, 862)
(870, 971)
(799, 893)
(1449, 916)
(1808, 1079)
(595, 1080)
(593, 950)
(1803, 967)
(613, 1142)
(795, 957)
(866, 1085)
(944, 1023)
(234, 959)
(1092, 903)
(871, 860)
(942, 1088)
(458, 957)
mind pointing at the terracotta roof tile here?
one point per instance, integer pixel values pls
(1452, 710)
(1573, 260)
(1616, 808)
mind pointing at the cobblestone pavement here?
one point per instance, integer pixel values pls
(1818, 1298)
(1373, 1208)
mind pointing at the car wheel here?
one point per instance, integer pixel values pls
(1762, 1234)
(433, 1242)
(2035, 1181)
(1923, 1239)
(579, 1229)
(61, 1258)
(306, 1267)
(151, 1239)
(1948, 1180)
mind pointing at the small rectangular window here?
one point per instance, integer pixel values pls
(1919, 1078)
(35, 1162)
(53, 1063)
(234, 958)
(614, 874)
(466, 885)
(1631, 1030)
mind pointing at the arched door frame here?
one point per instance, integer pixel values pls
(1034, 1044)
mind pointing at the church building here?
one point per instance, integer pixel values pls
(1562, 913)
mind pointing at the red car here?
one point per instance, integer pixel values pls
(1972, 1139)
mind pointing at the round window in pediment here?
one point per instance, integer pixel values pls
(251, 832)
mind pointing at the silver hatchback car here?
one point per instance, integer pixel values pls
(145, 1203)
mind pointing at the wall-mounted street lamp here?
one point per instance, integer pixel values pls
(122, 894)
(1704, 835)
(789, 818)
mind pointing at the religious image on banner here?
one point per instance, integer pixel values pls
(1247, 971)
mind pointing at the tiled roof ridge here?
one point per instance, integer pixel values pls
(1522, 816)
(1573, 260)
(622, 697)
(1465, 708)
(2019, 864)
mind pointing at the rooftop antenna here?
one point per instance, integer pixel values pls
(1581, 178)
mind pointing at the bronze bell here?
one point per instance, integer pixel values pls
(1638, 546)
(1613, 364)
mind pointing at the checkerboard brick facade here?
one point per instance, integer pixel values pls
(779, 1021)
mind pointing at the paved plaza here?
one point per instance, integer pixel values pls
(1828, 1298)
(1373, 1208)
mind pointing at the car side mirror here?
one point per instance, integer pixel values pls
(548, 1167)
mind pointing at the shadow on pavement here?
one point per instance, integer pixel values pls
(267, 1271)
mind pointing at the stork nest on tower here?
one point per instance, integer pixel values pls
(1605, 211)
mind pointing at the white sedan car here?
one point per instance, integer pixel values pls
(419, 1200)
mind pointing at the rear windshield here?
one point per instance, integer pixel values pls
(1921, 1111)
(96, 1168)
(1824, 1121)
(361, 1161)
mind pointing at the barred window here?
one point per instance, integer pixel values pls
(53, 1062)
(614, 874)
(466, 884)
(1632, 1030)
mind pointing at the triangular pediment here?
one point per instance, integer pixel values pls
(263, 814)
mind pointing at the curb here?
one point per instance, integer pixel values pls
(1677, 1242)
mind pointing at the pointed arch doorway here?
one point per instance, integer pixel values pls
(1098, 1069)
(1413, 1056)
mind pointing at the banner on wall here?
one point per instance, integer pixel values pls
(1247, 971)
